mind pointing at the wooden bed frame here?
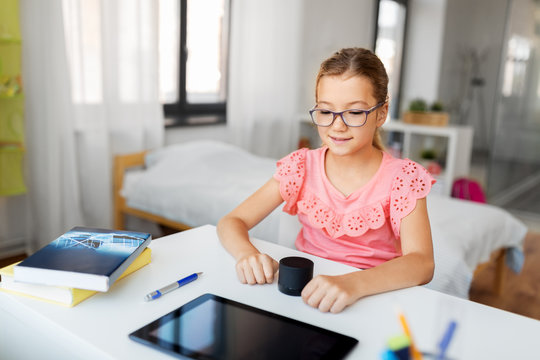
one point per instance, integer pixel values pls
(121, 164)
(124, 162)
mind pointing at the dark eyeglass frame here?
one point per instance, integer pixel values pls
(340, 114)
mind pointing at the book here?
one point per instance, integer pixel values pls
(59, 294)
(83, 258)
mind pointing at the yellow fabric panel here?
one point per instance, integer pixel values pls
(12, 120)
(9, 19)
(11, 101)
(11, 172)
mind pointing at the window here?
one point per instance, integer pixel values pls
(389, 45)
(518, 54)
(193, 57)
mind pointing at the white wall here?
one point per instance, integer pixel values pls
(424, 47)
(328, 27)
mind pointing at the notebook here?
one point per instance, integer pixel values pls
(83, 258)
(59, 294)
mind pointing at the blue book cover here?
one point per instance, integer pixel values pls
(83, 258)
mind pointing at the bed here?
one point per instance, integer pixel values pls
(196, 183)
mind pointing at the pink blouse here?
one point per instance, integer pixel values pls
(361, 229)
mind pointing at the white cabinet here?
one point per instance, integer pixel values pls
(452, 143)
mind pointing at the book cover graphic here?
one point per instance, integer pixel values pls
(88, 251)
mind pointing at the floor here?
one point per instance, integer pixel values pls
(521, 292)
(10, 260)
(516, 188)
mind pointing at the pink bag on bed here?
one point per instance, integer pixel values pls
(468, 189)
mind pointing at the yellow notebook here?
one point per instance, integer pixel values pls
(59, 294)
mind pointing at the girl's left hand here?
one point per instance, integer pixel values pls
(330, 293)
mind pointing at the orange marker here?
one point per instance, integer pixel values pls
(415, 354)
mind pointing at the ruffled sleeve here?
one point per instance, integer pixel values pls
(411, 182)
(290, 173)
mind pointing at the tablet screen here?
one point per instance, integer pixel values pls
(212, 327)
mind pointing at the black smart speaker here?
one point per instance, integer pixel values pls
(294, 273)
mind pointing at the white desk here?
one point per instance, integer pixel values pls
(98, 328)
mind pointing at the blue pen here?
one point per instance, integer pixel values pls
(175, 285)
(445, 341)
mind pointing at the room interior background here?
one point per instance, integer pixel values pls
(73, 127)
(490, 78)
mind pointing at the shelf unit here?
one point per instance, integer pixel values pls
(453, 141)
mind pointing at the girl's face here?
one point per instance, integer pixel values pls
(343, 92)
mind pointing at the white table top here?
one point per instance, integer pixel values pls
(99, 326)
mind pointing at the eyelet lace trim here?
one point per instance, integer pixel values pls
(290, 172)
(411, 183)
(353, 224)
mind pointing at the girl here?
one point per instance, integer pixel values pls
(358, 205)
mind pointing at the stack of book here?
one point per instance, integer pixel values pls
(77, 265)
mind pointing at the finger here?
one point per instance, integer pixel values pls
(338, 305)
(268, 268)
(248, 273)
(315, 298)
(308, 289)
(240, 274)
(275, 266)
(326, 302)
(258, 272)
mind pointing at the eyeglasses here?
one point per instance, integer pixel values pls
(351, 117)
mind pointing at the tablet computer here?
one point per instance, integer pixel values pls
(212, 327)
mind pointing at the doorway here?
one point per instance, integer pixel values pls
(514, 162)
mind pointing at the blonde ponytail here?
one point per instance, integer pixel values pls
(378, 141)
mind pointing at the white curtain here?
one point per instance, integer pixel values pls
(265, 39)
(90, 78)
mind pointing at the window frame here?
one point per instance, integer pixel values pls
(397, 101)
(183, 113)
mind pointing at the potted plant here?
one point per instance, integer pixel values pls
(419, 113)
(428, 157)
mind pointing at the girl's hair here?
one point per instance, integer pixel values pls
(358, 62)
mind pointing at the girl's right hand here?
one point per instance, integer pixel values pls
(256, 269)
